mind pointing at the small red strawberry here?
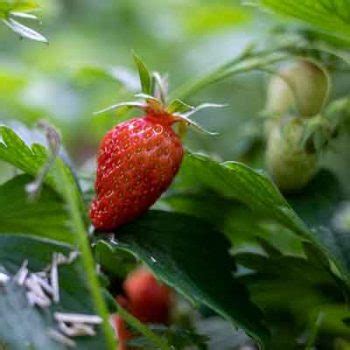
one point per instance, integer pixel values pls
(146, 299)
(137, 161)
(139, 158)
(149, 300)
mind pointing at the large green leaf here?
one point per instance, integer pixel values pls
(329, 16)
(31, 159)
(318, 204)
(240, 224)
(233, 180)
(24, 326)
(283, 284)
(192, 257)
(45, 216)
(292, 291)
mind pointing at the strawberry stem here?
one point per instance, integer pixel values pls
(83, 244)
(246, 61)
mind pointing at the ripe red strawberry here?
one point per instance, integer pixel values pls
(139, 158)
(137, 161)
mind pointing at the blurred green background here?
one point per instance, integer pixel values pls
(90, 40)
(69, 79)
(90, 44)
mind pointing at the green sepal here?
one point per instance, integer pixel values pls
(178, 106)
(130, 104)
(144, 75)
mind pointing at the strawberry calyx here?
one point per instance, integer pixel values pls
(153, 101)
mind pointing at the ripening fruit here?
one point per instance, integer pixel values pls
(307, 89)
(149, 299)
(146, 299)
(290, 164)
(137, 162)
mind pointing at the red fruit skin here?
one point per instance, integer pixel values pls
(149, 300)
(146, 299)
(137, 162)
(123, 334)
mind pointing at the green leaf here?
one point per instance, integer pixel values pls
(287, 284)
(24, 324)
(290, 290)
(45, 216)
(144, 74)
(318, 204)
(113, 261)
(210, 17)
(10, 9)
(192, 257)
(31, 159)
(329, 16)
(234, 219)
(7, 6)
(233, 180)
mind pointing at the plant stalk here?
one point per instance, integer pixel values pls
(245, 62)
(83, 245)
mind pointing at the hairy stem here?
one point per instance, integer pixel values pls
(72, 198)
(246, 61)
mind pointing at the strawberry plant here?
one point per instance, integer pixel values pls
(137, 228)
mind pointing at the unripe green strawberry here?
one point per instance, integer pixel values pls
(306, 90)
(137, 161)
(288, 161)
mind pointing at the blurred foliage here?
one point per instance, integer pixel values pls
(13, 10)
(68, 80)
(329, 16)
(89, 42)
(88, 66)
